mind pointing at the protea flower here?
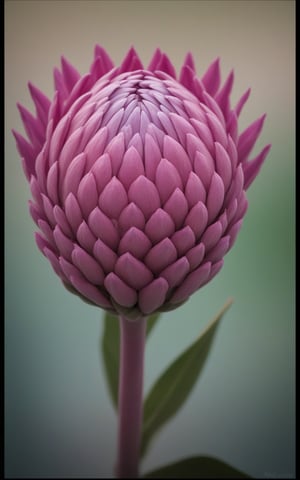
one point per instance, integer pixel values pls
(138, 179)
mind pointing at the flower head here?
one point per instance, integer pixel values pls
(138, 179)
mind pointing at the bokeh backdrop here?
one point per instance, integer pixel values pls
(59, 422)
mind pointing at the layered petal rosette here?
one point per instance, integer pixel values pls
(138, 179)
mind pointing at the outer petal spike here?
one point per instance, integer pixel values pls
(212, 77)
(248, 138)
(252, 168)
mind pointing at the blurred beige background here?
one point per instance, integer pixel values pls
(59, 421)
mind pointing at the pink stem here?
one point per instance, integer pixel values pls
(130, 403)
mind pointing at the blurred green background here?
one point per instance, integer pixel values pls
(59, 422)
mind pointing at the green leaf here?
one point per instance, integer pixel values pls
(197, 467)
(174, 386)
(109, 345)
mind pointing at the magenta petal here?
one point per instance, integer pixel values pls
(234, 230)
(102, 171)
(175, 153)
(195, 256)
(212, 77)
(69, 151)
(183, 240)
(189, 61)
(137, 143)
(35, 212)
(54, 263)
(131, 62)
(131, 167)
(47, 231)
(88, 266)
(193, 281)
(85, 237)
(155, 60)
(95, 147)
(113, 199)
(236, 185)
(105, 256)
(223, 164)
(152, 156)
(144, 194)
(232, 152)
(177, 207)
(64, 244)
(107, 62)
(116, 150)
(167, 179)
(90, 291)
(42, 103)
(215, 196)
(218, 252)
(87, 194)
(194, 190)
(133, 271)
(242, 102)
(223, 96)
(167, 126)
(58, 138)
(120, 292)
(33, 127)
(48, 209)
(204, 168)
(161, 255)
(159, 226)
(217, 129)
(187, 77)
(212, 107)
(166, 66)
(135, 242)
(42, 243)
(103, 228)
(205, 135)
(52, 183)
(252, 167)
(182, 126)
(197, 218)
(73, 212)
(74, 175)
(70, 74)
(215, 268)
(153, 295)
(27, 152)
(175, 273)
(212, 235)
(248, 138)
(232, 126)
(69, 269)
(131, 216)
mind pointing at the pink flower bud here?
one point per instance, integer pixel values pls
(138, 179)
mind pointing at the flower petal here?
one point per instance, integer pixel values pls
(192, 283)
(135, 242)
(144, 194)
(120, 291)
(87, 265)
(161, 255)
(113, 199)
(159, 226)
(133, 271)
(153, 295)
